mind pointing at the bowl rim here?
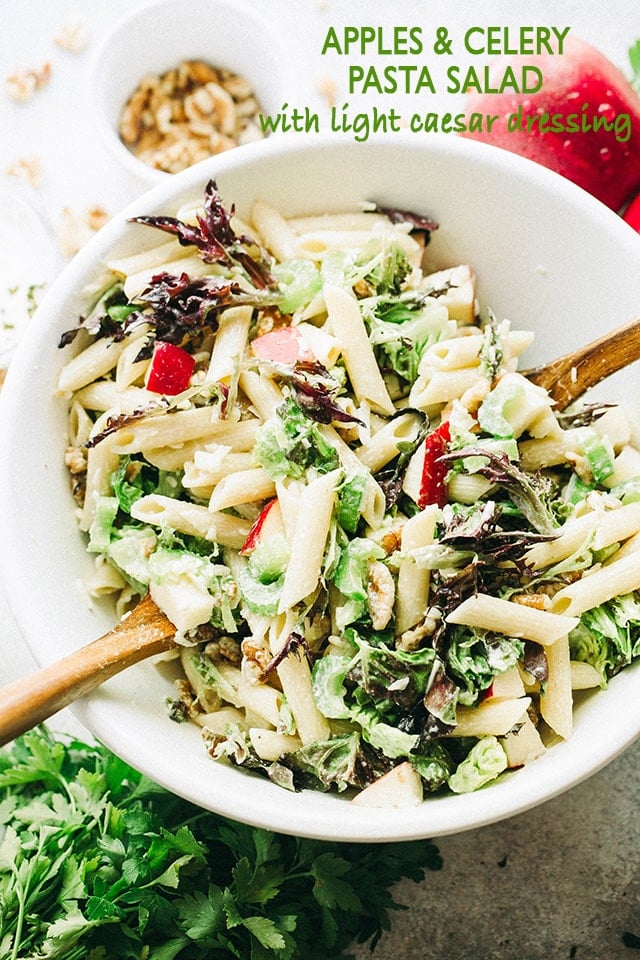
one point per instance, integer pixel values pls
(437, 816)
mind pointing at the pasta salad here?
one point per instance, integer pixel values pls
(391, 564)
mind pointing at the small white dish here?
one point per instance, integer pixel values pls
(547, 256)
(162, 34)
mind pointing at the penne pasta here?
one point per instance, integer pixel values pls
(513, 619)
(348, 327)
(491, 719)
(169, 429)
(192, 519)
(412, 592)
(274, 230)
(592, 590)
(262, 393)
(230, 343)
(556, 700)
(105, 395)
(385, 444)
(245, 486)
(349, 593)
(295, 677)
(441, 386)
(314, 511)
(92, 363)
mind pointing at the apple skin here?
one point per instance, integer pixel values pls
(632, 213)
(599, 163)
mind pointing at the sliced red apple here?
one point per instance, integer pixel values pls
(170, 369)
(268, 523)
(284, 345)
(580, 83)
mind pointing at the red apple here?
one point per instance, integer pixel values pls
(582, 84)
(268, 523)
(632, 213)
(283, 345)
(170, 369)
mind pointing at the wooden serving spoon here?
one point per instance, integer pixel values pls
(27, 702)
(571, 375)
(146, 631)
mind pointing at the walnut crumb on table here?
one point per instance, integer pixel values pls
(22, 84)
(72, 36)
(77, 227)
(27, 169)
(328, 90)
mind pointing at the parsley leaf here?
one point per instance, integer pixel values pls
(97, 861)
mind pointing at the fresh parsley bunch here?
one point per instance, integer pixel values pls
(98, 862)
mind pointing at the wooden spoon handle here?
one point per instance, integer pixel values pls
(568, 377)
(27, 702)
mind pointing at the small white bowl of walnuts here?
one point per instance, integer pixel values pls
(178, 81)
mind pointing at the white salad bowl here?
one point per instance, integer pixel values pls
(547, 256)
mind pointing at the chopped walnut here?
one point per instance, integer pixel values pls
(224, 648)
(210, 106)
(381, 594)
(75, 459)
(269, 319)
(72, 36)
(186, 114)
(391, 540)
(186, 698)
(539, 601)
(22, 84)
(256, 657)
(412, 639)
(76, 228)
(28, 169)
(580, 464)
(473, 396)
(328, 90)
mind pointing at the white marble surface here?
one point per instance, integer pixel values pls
(556, 883)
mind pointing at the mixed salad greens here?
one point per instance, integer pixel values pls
(385, 700)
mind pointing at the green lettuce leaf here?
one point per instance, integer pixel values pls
(474, 657)
(608, 637)
(289, 443)
(484, 762)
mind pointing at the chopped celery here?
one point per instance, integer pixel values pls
(350, 497)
